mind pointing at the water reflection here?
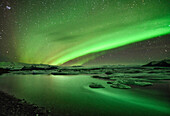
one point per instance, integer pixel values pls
(70, 95)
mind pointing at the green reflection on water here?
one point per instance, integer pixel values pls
(71, 94)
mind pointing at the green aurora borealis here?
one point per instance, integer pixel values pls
(57, 31)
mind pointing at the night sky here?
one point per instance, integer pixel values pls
(84, 32)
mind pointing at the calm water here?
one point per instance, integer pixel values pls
(70, 95)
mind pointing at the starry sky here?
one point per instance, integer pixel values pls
(84, 32)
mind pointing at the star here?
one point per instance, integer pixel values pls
(8, 7)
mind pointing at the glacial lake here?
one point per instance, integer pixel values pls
(71, 95)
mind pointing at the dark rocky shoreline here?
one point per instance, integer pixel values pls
(11, 106)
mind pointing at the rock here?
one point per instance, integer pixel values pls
(130, 82)
(14, 66)
(163, 63)
(126, 81)
(10, 106)
(95, 85)
(21, 72)
(109, 82)
(120, 86)
(11, 65)
(3, 71)
(102, 77)
(39, 67)
(77, 66)
(108, 73)
(160, 78)
(143, 83)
